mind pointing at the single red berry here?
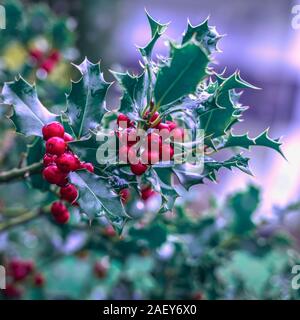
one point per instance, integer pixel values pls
(68, 137)
(53, 129)
(147, 193)
(54, 56)
(58, 208)
(88, 166)
(67, 162)
(172, 125)
(163, 126)
(178, 134)
(139, 168)
(12, 291)
(100, 269)
(39, 280)
(49, 159)
(53, 175)
(150, 157)
(36, 54)
(123, 121)
(56, 145)
(63, 217)
(167, 152)
(20, 269)
(69, 193)
(125, 195)
(109, 231)
(48, 65)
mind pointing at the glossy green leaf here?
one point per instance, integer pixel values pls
(96, 197)
(181, 75)
(244, 141)
(29, 115)
(86, 101)
(204, 34)
(157, 29)
(134, 91)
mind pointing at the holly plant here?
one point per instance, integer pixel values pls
(180, 104)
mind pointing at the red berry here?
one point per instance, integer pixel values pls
(58, 208)
(48, 65)
(163, 126)
(53, 129)
(19, 269)
(69, 193)
(60, 212)
(172, 125)
(68, 137)
(12, 291)
(139, 168)
(35, 53)
(123, 121)
(109, 231)
(54, 56)
(53, 175)
(67, 162)
(39, 280)
(100, 269)
(178, 134)
(56, 146)
(88, 166)
(150, 157)
(125, 195)
(167, 152)
(147, 193)
(63, 217)
(49, 159)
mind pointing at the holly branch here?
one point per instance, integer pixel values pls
(19, 173)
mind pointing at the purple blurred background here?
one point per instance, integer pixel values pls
(260, 41)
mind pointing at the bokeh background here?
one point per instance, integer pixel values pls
(259, 41)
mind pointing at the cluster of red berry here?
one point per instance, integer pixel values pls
(58, 162)
(18, 272)
(44, 61)
(163, 150)
(128, 137)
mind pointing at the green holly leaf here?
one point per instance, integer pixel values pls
(134, 91)
(244, 141)
(181, 74)
(243, 205)
(86, 101)
(157, 30)
(217, 120)
(29, 115)
(96, 196)
(204, 34)
(189, 178)
(35, 152)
